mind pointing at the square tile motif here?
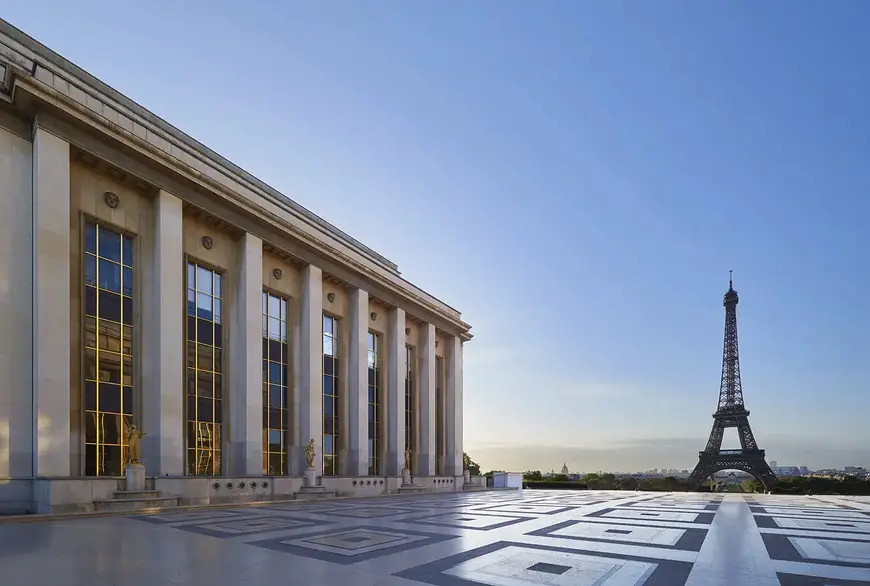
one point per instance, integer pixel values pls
(235, 528)
(837, 526)
(689, 539)
(470, 521)
(651, 516)
(515, 564)
(527, 509)
(847, 552)
(349, 546)
(194, 516)
(366, 512)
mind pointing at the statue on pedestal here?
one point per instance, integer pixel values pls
(134, 438)
(407, 460)
(310, 454)
(466, 461)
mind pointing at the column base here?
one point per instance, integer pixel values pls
(135, 478)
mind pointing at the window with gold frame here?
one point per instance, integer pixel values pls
(276, 367)
(108, 348)
(374, 403)
(204, 370)
(330, 438)
(439, 415)
(410, 403)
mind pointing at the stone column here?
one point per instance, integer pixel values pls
(395, 377)
(51, 306)
(453, 413)
(308, 372)
(426, 378)
(163, 341)
(357, 382)
(246, 361)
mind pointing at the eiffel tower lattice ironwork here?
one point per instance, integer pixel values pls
(731, 412)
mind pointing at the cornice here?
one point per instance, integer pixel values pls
(61, 85)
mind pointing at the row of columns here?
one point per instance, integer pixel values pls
(162, 356)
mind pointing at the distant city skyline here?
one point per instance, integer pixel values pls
(578, 178)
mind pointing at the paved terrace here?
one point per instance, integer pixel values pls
(496, 538)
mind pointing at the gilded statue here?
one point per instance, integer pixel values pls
(407, 459)
(310, 453)
(134, 438)
(466, 461)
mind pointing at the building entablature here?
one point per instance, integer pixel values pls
(59, 96)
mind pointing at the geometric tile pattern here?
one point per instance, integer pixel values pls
(349, 546)
(497, 538)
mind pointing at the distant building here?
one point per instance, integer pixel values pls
(565, 469)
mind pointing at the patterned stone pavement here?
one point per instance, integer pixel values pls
(504, 538)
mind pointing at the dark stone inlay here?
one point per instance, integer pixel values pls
(619, 531)
(650, 514)
(804, 580)
(840, 524)
(549, 568)
(355, 539)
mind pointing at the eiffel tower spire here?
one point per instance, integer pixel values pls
(731, 412)
(730, 387)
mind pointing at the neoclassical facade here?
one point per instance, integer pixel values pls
(147, 281)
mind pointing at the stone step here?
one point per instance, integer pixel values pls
(136, 494)
(306, 494)
(473, 488)
(136, 504)
(411, 489)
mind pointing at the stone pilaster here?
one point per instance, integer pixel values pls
(453, 412)
(395, 377)
(308, 358)
(246, 361)
(357, 382)
(163, 341)
(51, 306)
(426, 382)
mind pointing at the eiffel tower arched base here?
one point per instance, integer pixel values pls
(709, 463)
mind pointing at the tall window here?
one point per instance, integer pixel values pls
(409, 400)
(108, 348)
(275, 374)
(204, 368)
(439, 413)
(330, 396)
(374, 403)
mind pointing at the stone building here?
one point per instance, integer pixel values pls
(145, 280)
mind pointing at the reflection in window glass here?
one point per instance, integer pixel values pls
(330, 396)
(410, 403)
(374, 405)
(275, 376)
(108, 349)
(204, 371)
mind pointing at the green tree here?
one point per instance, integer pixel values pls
(533, 475)
(473, 467)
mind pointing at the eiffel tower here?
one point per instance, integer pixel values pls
(731, 413)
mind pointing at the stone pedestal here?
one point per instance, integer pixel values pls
(466, 477)
(310, 478)
(135, 474)
(406, 476)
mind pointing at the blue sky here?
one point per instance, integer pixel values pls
(576, 177)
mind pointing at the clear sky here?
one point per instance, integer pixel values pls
(576, 177)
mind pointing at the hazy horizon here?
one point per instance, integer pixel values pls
(576, 178)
